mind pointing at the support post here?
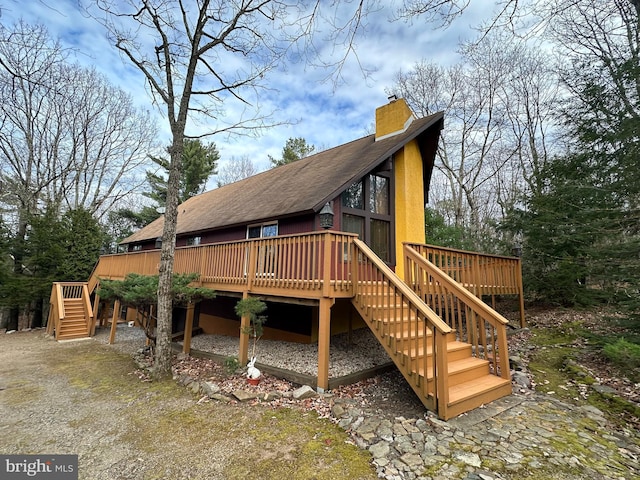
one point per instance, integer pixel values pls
(324, 341)
(523, 322)
(114, 321)
(96, 307)
(243, 355)
(188, 328)
(326, 264)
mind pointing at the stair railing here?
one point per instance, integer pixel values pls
(402, 323)
(86, 305)
(473, 321)
(59, 292)
(482, 274)
(56, 310)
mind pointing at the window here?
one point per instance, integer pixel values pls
(194, 241)
(352, 197)
(366, 210)
(263, 230)
(267, 255)
(379, 195)
(136, 248)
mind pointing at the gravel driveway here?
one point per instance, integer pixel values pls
(84, 398)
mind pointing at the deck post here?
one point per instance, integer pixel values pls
(188, 328)
(326, 265)
(96, 307)
(324, 341)
(523, 322)
(114, 321)
(243, 354)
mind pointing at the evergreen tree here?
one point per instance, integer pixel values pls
(199, 163)
(582, 231)
(294, 150)
(438, 232)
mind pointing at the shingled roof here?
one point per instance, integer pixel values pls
(296, 188)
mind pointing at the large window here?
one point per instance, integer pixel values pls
(366, 210)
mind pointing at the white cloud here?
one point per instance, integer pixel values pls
(324, 114)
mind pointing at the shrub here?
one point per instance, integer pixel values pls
(626, 354)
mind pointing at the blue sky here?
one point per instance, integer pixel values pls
(324, 114)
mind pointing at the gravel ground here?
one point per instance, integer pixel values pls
(363, 352)
(79, 397)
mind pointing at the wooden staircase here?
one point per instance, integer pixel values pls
(70, 313)
(422, 344)
(74, 324)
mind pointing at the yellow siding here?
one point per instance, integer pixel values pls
(409, 200)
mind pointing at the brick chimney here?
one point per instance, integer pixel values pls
(393, 118)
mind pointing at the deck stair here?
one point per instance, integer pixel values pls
(411, 332)
(70, 315)
(74, 324)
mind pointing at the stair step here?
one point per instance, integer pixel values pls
(474, 393)
(74, 321)
(460, 371)
(69, 328)
(455, 351)
(66, 336)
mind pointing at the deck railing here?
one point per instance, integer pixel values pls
(481, 274)
(473, 320)
(404, 325)
(313, 264)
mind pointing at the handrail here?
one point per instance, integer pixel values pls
(453, 285)
(86, 303)
(391, 277)
(56, 309)
(480, 273)
(483, 274)
(404, 325)
(461, 309)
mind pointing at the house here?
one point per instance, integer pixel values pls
(336, 241)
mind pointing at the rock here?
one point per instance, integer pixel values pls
(412, 459)
(337, 411)
(210, 388)
(304, 392)
(380, 449)
(603, 389)
(271, 396)
(516, 363)
(194, 387)
(471, 459)
(220, 397)
(245, 396)
(522, 379)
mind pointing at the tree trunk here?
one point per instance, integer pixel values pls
(162, 364)
(38, 311)
(14, 316)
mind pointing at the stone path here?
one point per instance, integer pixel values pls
(528, 436)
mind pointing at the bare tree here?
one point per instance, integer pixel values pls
(498, 103)
(236, 169)
(67, 138)
(187, 53)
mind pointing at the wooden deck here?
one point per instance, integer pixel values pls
(449, 345)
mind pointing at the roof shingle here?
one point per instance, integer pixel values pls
(296, 188)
